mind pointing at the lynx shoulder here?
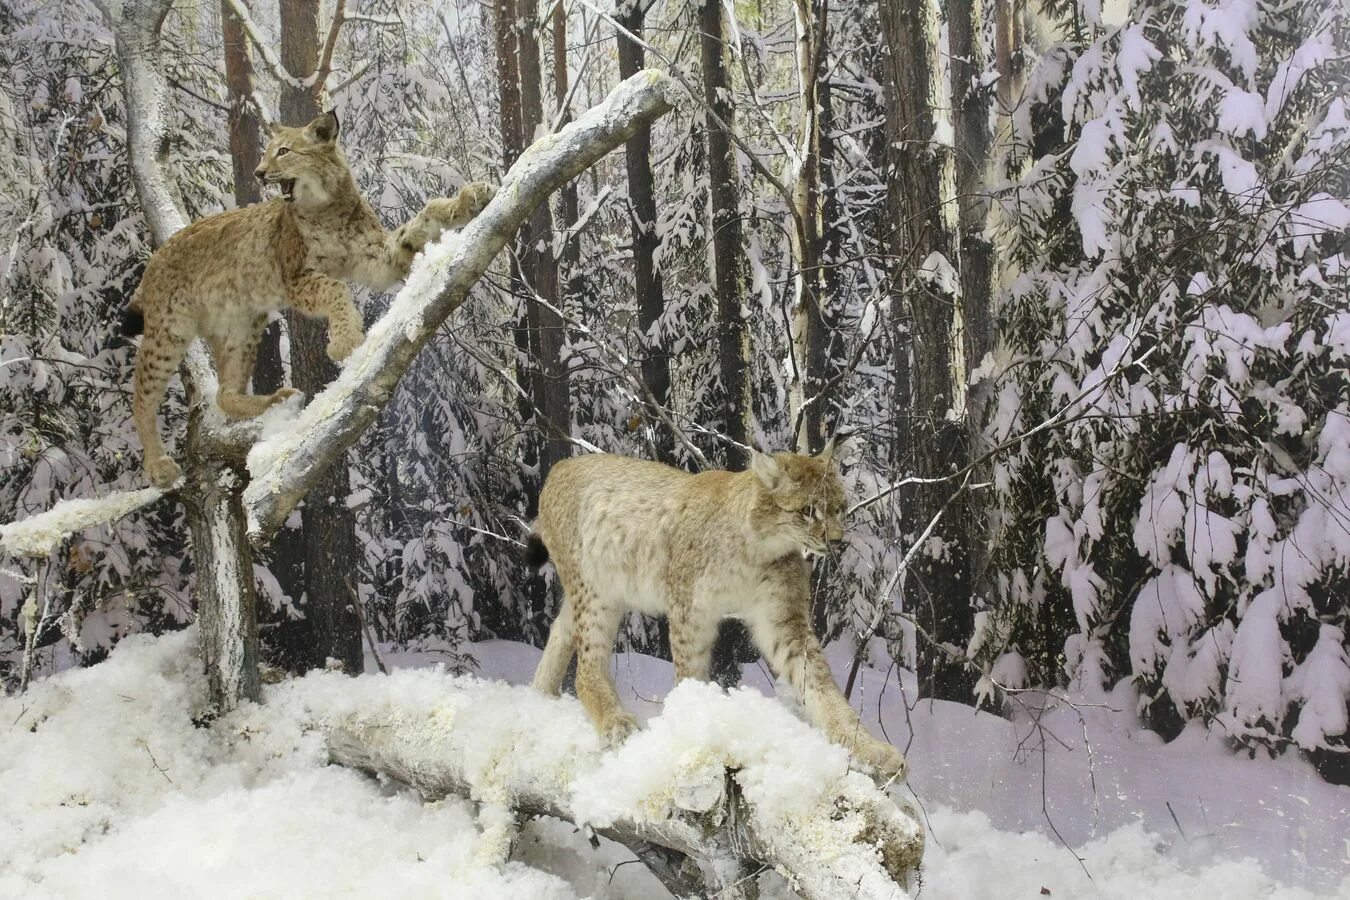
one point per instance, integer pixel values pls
(629, 535)
(218, 278)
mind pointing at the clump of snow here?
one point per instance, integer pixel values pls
(39, 535)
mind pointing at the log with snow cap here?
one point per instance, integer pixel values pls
(702, 800)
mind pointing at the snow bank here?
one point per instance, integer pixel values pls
(109, 789)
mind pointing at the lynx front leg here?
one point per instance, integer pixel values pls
(161, 351)
(321, 296)
(783, 634)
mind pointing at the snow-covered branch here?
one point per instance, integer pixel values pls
(718, 798)
(38, 535)
(283, 468)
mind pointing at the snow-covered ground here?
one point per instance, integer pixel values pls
(109, 789)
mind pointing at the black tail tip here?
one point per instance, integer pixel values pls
(133, 323)
(536, 554)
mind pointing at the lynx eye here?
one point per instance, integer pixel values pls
(810, 512)
(283, 151)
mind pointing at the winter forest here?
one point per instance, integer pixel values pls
(1058, 289)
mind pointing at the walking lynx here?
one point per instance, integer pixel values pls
(219, 277)
(625, 534)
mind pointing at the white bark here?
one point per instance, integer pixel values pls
(699, 836)
(285, 467)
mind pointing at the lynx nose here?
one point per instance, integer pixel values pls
(259, 172)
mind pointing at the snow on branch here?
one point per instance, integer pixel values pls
(283, 468)
(700, 797)
(38, 535)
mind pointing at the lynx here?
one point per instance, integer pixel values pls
(625, 534)
(219, 277)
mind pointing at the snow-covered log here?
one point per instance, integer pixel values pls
(702, 796)
(284, 467)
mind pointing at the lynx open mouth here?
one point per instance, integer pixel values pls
(288, 189)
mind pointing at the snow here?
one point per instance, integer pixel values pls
(39, 535)
(106, 786)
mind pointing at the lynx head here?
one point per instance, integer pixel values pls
(306, 162)
(801, 500)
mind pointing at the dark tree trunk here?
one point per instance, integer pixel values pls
(970, 108)
(729, 271)
(924, 245)
(287, 645)
(729, 285)
(551, 383)
(328, 528)
(642, 196)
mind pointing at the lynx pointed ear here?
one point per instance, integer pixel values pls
(833, 444)
(766, 469)
(324, 128)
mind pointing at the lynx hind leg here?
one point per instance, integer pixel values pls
(325, 298)
(236, 354)
(595, 625)
(558, 653)
(161, 351)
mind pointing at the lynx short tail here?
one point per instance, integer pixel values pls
(536, 553)
(133, 323)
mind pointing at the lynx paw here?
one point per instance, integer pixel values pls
(341, 346)
(617, 728)
(162, 472)
(281, 395)
(476, 195)
(888, 762)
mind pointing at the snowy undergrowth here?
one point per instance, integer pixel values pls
(107, 788)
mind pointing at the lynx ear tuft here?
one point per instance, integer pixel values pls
(766, 469)
(324, 128)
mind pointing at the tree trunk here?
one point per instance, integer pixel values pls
(728, 252)
(328, 527)
(970, 106)
(227, 613)
(642, 197)
(729, 286)
(811, 405)
(924, 246)
(547, 335)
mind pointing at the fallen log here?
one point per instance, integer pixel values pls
(699, 797)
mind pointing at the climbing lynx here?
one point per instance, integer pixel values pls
(625, 534)
(219, 277)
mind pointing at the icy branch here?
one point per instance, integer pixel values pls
(698, 800)
(284, 468)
